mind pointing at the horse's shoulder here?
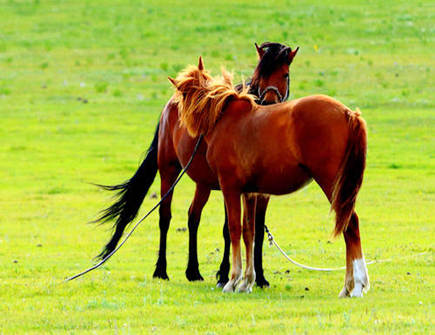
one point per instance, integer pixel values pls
(239, 105)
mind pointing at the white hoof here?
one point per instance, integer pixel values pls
(357, 291)
(344, 293)
(229, 287)
(245, 287)
(248, 282)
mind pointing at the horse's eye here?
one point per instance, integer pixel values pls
(286, 76)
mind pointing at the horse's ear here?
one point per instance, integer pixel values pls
(260, 51)
(227, 77)
(173, 82)
(292, 54)
(200, 64)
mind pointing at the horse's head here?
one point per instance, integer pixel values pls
(201, 98)
(271, 79)
(190, 79)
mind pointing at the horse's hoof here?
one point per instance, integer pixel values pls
(195, 278)
(193, 275)
(160, 274)
(357, 291)
(344, 293)
(262, 282)
(245, 287)
(221, 283)
(229, 287)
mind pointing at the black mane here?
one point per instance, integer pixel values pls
(276, 54)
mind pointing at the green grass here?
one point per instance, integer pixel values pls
(82, 84)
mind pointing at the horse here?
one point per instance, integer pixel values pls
(277, 149)
(171, 148)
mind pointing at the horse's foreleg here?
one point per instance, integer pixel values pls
(357, 279)
(232, 203)
(249, 204)
(260, 215)
(202, 194)
(167, 176)
(224, 268)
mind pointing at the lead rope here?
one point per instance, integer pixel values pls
(105, 259)
(272, 241)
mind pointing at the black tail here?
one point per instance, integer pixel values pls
(130, 196)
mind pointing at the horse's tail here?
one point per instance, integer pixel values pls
(350, 174)
(130, 196)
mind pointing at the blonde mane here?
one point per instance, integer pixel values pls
(202, 98)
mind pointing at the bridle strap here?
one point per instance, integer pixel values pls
(261, 94)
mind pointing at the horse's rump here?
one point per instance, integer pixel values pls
(350, 176)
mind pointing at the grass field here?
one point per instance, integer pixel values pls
(82, 84)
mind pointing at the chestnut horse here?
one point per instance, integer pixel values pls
(172, 147)
(278, 149)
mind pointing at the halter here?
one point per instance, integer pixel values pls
(261, 94)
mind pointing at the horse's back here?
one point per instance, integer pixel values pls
(319, 110)
(168, 120)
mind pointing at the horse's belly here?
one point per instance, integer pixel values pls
(282, 181)
(200, 172)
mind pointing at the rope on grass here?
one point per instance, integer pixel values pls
(272, 241)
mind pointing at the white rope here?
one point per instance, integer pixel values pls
(272, 241)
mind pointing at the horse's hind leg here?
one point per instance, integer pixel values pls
(260, 215)
(249, 204)
(224, 268)
(168, 175)
(201, 196)
(357, 279)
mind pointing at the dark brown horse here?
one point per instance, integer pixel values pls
(169, 152)
(278, 149)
